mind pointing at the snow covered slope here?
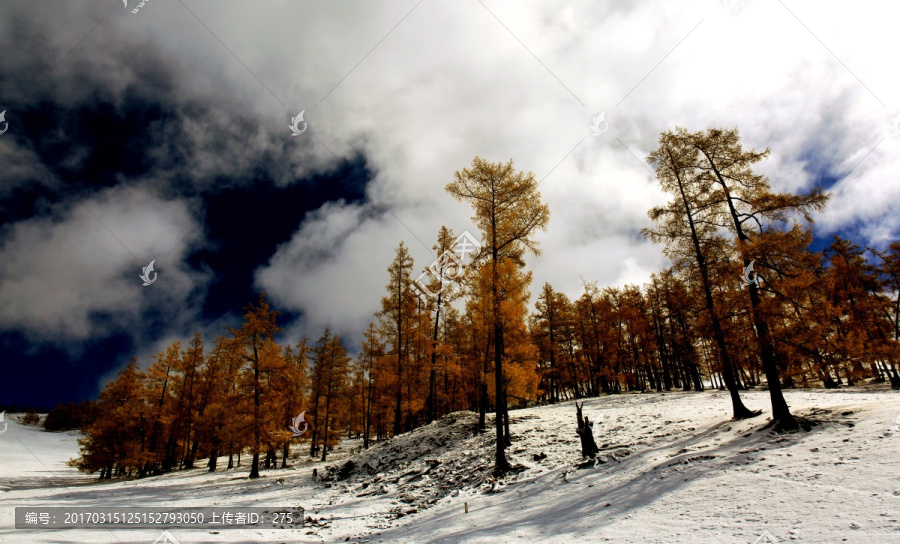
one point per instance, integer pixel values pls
(673, 468)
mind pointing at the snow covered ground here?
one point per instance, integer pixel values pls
(673, 468)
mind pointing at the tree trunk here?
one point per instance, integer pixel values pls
(193, 454)
(432, 386)
(483, 400)
(398, 412)
(586, 433)
(213, 460)
(740, 411)
(368, 424)
(782, 419)
(501, 464)
(254, 467)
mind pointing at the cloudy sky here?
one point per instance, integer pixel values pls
(164, 135)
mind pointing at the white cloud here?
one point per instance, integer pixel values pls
(73, 275)
(333, 269)
(452, 82)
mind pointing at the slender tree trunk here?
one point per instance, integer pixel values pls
(483, 401)
(409, 417)
(213, 459)
(398, 413)
(368, 410)
(187, 460)
(432, 387)
(327, 410)
(501, 464)
(781, 414)
(254, 467)
(740, 411)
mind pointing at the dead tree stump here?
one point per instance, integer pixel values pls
(586, 433)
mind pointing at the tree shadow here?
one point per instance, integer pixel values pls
(590, 504)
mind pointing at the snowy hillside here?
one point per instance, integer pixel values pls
(672, 468)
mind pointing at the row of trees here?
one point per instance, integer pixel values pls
(239, 396)
(808, 317)
(14, 408)
(70, 416)
(723, 214)
(660, 336)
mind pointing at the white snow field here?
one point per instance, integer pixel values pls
(673, 468)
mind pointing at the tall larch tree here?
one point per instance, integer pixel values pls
(259, 327)
(509, 212)
(209, 415)
(160, 377)
(372, 350)
(334, 362)
(293, 386)
(749, 205)
(546, 329)
(890, 281)
(682, 226)
(192, 364)
(315, 379)
(447, 273)
(396, 314)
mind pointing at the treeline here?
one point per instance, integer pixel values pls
(795, 314)
(31, 416)
(196, 402)
(746, 302)
(69, 416)
(659, 336)
(14, 408)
